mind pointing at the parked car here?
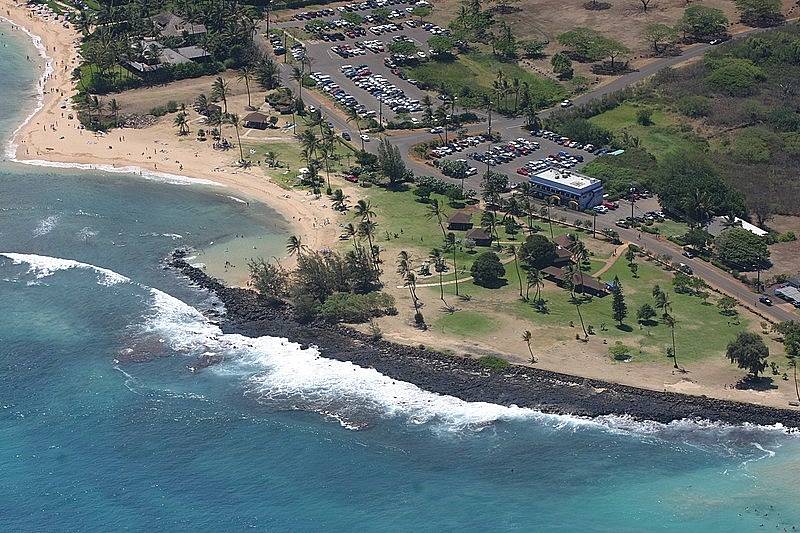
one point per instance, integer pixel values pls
(566, 103)
(601, 209)
(365, 137)
(765, 300)
(689, 252)
(686, 269)
(346, 136)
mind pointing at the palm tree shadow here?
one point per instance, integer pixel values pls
(624, 327)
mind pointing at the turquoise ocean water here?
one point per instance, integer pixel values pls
(277, 438)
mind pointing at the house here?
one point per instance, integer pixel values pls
(790, 294)
(460, 221)
(256, 120)
(584, 284)
(563, 257)
(171, 25)
(566, 241)
(480, 236)
(195, 53)
(720, 224)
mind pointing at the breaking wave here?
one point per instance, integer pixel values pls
(281, 374)
(45, 225)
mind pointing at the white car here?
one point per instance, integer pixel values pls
(365, 137)
(566, 103)
(600, 209)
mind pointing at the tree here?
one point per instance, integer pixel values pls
(439, 266)
(339, 200)
(295, 246)
(534, 279)
(434, 211)
(735, 76)
(181, 123)
(245, 74)
(233, 120)
(645, 314)
(645, 4)
(487, 270)
(749, 352)
(220, 90)
(660, 36)
(526, 337)
(114, 108)
(513, 250)
(391, 162)
(268, 74)
(584, 43)
(268, 279)
(644, 116)
(538, 251)
(688, 184)
(760, 12)
(562, 66)
(619, 308)
(451, 246)
(702, 22)
(742, 249)
(697, 237)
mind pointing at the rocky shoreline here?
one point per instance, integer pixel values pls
(465, 378)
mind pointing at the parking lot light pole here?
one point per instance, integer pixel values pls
(632, 201)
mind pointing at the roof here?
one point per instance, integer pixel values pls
(794, 282)
(171, 25)
(720, 224)
(564, 179)
(565, 241)
(256, 117)
(790, 293)
(192, 52)
(460, 217)
(478, 234)
(589, 282)
(563, 253)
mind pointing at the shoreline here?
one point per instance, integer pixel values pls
(464, 378)
(55, 85)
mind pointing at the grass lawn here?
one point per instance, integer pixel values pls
(659, 138)
(477, 71)
(671, 228)
(701, 330)
(464, 324)
(289, 159)
(410, 228)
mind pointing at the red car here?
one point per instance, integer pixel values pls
(610, 205)
(522, 171)
(352, 178)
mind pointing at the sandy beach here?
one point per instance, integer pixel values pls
(54, 137)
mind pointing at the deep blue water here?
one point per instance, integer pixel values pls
(277, 438)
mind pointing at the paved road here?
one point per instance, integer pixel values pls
(511, 128)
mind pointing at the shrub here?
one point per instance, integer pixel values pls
(493, 362)
(620, 352)
(487, 270)
(356, 308)
(734, 76)
(694, 106)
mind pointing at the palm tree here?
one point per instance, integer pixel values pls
(294, 245)
(363, 210)
(434, 211)
(271, 157)
(793, 366)
(114, 108)
(182, 124)
(339, 200)
(233, 120)
(513, 250)
(439, 266)
(526, 337)
(366, 228)
(403, 263)
(352, 116)
(534, 278)
(580, 254)
(267, 73)
(246, 74)
(221, 90)
(671, 322)
(569, 275)
(450, 244)
(309, 141)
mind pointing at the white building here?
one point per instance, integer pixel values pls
(568, 186)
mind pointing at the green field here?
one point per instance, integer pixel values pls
(289, 159)
(659, 138)
(701, 330)
(464, 324)
(475, 72)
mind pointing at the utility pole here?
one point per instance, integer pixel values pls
(285, 48)
(632, 200)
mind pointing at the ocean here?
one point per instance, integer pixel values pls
(277, 437)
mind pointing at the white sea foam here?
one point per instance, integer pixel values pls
(45, 226)
(282, 374)
(238, 200)
(43, 266)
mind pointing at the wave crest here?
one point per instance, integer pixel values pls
(43, 266)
